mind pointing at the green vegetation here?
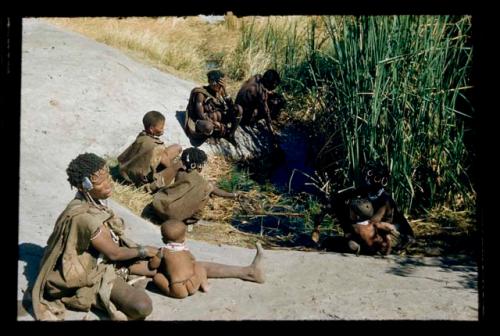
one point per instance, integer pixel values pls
(388, 87)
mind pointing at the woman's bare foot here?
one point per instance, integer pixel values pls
(256, 273)
(205, 287)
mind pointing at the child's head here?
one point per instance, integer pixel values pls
(193, 158)
(154, 123)
(173, 231)
(271, 79)
(214, 77)
(361, 209)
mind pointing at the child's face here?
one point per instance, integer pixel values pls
(157, 130)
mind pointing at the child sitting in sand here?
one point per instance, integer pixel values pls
(147, 161)
(180, 275)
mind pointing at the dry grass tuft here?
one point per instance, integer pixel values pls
(218, 209)
(131, 197)
(180, 45)
(216, 225)
(444, 221)
(188, 46)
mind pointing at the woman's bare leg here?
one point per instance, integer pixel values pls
(135, 303)
(201, 272)
(169, 154)
(253, 272)
(141, 268)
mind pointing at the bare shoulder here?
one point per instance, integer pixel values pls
(199, 97)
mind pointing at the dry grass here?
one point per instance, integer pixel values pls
(176, 44)
(131, 197)
(184, 45)
(216, 225)
(445, 232)
(442, 232)
(225, 234)
(443, 220)
(218, 209)
(179, 45)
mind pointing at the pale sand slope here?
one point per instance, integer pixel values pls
(81, 96)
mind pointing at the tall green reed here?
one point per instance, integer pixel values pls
(392, 95)
(383, 87)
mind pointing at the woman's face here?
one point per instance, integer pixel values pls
(102, 185)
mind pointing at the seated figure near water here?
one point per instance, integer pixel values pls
(256, 99)
(374, 236)
(180, 275)
(210, 112)
(385, 217)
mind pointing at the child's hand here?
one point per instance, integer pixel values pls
(155, 261)
(151, 251)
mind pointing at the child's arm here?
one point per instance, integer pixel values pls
(162, 283)
(219, 192)
(155, 261)
(388, 227)
(377, 217)
(192, 256)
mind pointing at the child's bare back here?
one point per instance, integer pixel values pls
(178, 275)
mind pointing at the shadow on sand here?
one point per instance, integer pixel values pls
(31, 254)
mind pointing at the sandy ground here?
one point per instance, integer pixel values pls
(81, 96)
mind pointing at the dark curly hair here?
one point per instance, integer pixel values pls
(152, 118)
(82, 166)
(193, 155)
(271, 79)
(215, 75)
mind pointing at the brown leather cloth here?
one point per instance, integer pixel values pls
(138, 163)
(210, 104)
(183, 199)
(69, 275)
